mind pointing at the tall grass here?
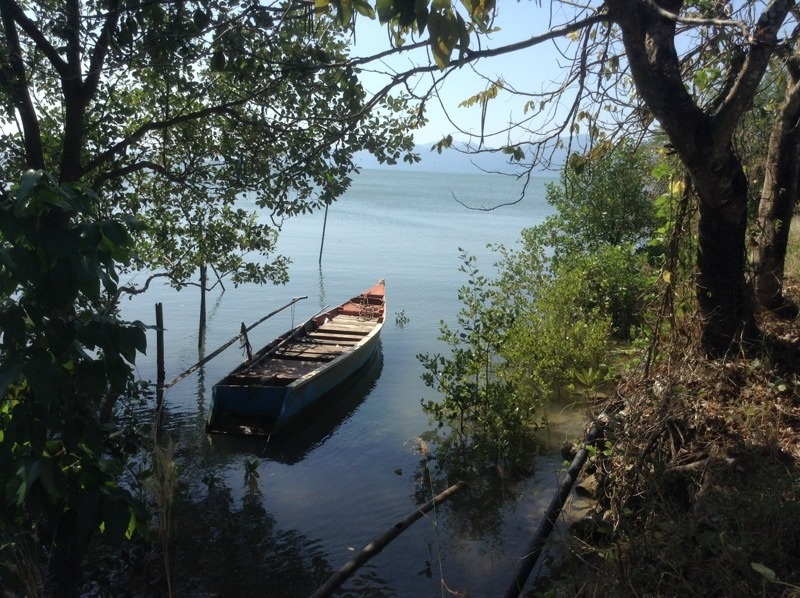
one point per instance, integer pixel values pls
(162, 485)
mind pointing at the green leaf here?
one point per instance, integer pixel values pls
(386, 10)
(577, 163)
(463, 35)
(363, 8)
(133, 524)
(345, 12)
(517, 153)
(27, 474)
(321, 7)
(114, 235)
(443, 31)
(481, 12)
(661, 170)
(422, 15)
(29, 181)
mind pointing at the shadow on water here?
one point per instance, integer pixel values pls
(297, 439)
(224, 541)
(241, 551)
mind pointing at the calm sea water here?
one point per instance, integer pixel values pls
(350, 472)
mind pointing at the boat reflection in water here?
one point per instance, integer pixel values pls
(293, 442)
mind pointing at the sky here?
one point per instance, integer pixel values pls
(529, 69)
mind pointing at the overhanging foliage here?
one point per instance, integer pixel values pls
(212, 121)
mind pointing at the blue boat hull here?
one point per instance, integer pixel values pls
(279, 404)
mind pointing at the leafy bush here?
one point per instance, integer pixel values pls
(605, 218)
(547, 317)
(611, 281)
(486, 413)
(65, 366)
(602, 199)
(558, 330)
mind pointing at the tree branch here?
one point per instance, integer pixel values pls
(762, 46)
(470, 56)
(648, 38)
(741, 25)
(119, 147)
(114, 299)
(130, 169)
(555, 33)
(13, 9)
(18, 81)
(100, 50)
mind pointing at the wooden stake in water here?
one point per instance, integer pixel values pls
(201, 338)
(324, 226)
(160, 370)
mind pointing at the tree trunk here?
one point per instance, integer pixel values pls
(75, 100)
(778, 196)
(723, 294)
(701, 136)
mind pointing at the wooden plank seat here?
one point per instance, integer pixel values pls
(335, 331)
(342, 327)
(311, 351)
(325, 338)
(284, 369)
(350, 322)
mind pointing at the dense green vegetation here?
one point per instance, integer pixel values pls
(576, 282)
(695, 478)
(66, 431)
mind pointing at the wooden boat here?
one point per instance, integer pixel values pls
(300, 367)
(295, 440)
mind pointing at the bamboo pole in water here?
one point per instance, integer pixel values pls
(374, 547)
(208, 358)
(322, 242)
(201, 337)
(160, 370)
(551, 515)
